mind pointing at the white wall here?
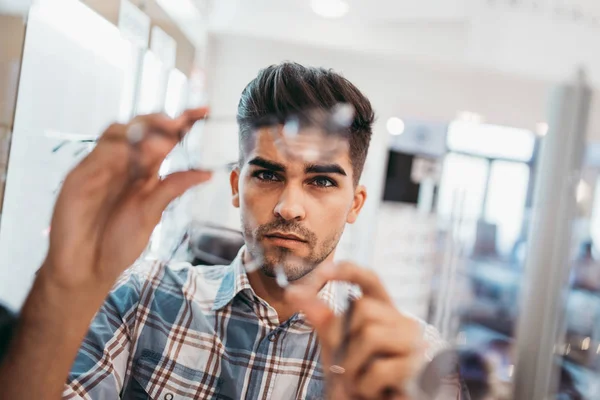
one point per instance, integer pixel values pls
(73, 78)
(395, 87)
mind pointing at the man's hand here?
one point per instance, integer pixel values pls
(110, 203)
(385, 349)
(104, 215)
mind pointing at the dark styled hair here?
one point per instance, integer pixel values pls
(284, 90)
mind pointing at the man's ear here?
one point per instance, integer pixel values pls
(360, 196)
(234, 180)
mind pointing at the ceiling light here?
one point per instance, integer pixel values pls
(330, 8)
(470, 117)
(395, 126)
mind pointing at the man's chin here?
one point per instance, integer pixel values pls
(293, 270)
(286, 255)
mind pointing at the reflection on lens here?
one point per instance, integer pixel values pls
(315, 135)
(453, 368)
(343, 115)
(281, 277)
(291, 128)
(256, 263)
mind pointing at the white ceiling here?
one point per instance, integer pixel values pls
(361, 11)
(370, 10)
(422, 10)
(431, 29)
(540, 39)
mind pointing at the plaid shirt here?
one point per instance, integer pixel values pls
(179, 332)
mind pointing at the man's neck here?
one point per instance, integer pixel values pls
(266, 288)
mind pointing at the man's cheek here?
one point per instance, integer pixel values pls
(256, 214)
(249, 201)
(260, 202)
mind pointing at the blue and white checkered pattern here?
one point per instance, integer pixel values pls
(179, 332)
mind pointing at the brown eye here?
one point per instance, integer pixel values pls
(267, 176)
(323, 182)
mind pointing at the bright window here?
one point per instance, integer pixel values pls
(462, 191)
(481, 183)
(505, 207)
(491, 141)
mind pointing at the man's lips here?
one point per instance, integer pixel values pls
(285, 236)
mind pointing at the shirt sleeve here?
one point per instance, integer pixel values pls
(100, 367)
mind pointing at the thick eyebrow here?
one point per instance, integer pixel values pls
(325, 169)
(266, 164)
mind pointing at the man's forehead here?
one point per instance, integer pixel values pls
(267, 143)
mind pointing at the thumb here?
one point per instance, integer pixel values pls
(174, 186)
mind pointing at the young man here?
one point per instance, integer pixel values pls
(175, 332)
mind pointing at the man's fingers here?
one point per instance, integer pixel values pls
(193, 115)
(317, 313)
(119, 162)
(369, 311)
(384, 378)
(366, 279)
(159, 143)
(173, 129)
(163, 134)
(95, 180)
(378, 341)
(111, 150)
(145, 126)
(147, 140)
(172, 187)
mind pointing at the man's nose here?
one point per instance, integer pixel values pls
(291, 205)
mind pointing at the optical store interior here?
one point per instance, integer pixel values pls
(483, 209)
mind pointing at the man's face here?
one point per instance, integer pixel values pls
(293, 212)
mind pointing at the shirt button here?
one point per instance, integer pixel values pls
(273, 337)
(168, 396)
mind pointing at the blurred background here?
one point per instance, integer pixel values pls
(463, 91)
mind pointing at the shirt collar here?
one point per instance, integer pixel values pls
(235, 280)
